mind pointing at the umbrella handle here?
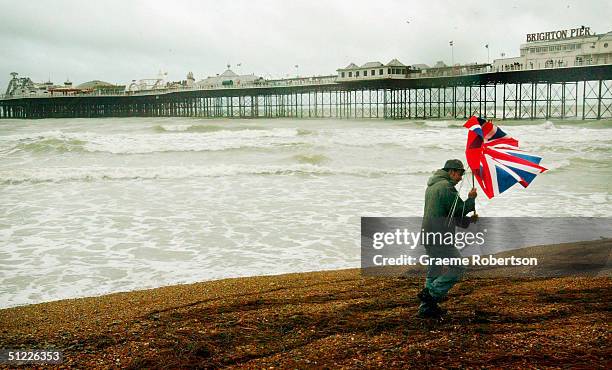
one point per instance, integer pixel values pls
(473, 186)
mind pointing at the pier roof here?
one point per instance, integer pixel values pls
(372, 65)
(228, 73)
(94, 84)
(395, 63)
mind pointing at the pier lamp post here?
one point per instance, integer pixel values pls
(296, 70)
(488, 58)
(451, 43)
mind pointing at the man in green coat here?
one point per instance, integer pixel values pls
(444, 209)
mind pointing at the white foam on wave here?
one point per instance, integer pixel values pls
(31, 136)
(557, 165)
(560, 136)
(69, 174)
(369, 137)
(176, 127)
(183, 140)
(444, 124)
(151, 143)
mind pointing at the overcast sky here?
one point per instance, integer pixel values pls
(117, 41)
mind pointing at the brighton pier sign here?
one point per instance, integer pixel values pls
(559, 35)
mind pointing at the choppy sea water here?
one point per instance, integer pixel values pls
(91, 206)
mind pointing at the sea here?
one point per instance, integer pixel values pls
(92, 206)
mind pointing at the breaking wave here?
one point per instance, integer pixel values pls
(444, 124)
(572, 164)
(200, 138)
(304, 132)
(202, 128)
(59, 145)
(90, 174)
(219, 140)
(310, 158)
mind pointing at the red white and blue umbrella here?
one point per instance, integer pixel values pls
(496, 160)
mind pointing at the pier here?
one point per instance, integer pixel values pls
(583, 93)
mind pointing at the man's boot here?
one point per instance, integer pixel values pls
(425, 296)
(430, 311)
(429, 308)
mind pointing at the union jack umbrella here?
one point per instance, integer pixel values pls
(495, 158)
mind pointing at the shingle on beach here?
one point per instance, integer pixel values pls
(336, 319)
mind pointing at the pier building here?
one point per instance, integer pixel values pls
(559, 49)
(227, 78)
(373, 70)
(102, 88)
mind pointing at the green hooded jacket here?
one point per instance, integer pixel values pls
(439, 198)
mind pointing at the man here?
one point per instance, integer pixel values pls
(443, 210)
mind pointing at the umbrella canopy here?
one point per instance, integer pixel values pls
(496, 160)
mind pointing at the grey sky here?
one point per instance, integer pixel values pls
(118, 41)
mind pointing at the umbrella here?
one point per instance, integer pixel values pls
(496, 161)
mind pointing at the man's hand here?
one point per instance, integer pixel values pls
(474, 218)
(472, 193)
